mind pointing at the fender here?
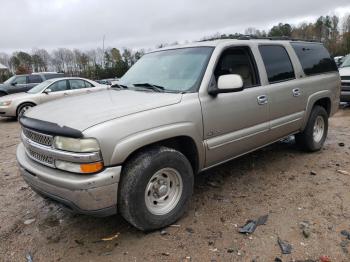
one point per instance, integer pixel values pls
(130, 144)
(311, 101)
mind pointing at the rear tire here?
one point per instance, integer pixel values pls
(23, 108)
(155, 188)
(316, 130)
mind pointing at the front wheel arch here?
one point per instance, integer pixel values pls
(23, 104)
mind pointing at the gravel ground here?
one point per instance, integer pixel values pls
(290, 186)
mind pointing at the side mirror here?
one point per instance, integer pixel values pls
(47, 91)
(228, 84)
(14, 83)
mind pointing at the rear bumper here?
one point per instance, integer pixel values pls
(85, 194)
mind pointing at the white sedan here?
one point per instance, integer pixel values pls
(16, 104)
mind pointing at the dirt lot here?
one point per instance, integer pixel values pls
(276, 180)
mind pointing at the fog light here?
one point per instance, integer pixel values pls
(79, 168)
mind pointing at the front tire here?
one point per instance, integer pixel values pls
(316, 130)
(23, 108)
(155, 188)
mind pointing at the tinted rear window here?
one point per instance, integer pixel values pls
(314, 58)
(277, 63)
(51, 76)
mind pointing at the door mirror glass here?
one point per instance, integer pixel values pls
(14, 83)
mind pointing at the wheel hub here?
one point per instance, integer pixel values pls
(163, 191)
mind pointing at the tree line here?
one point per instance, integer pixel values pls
(112, 62)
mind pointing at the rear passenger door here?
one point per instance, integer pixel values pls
(33, 80)
(77, 86)
(287, 98)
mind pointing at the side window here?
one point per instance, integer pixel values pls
(51, 76)
(88, 84)
(76, 84)
(238, 60)
(20, 80)
(277, 63)
(314, 58)
(58, 86)
(34, 79)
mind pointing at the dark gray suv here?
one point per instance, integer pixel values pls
(23, 83)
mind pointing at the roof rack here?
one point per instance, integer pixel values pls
(287, 38)
(254, 37)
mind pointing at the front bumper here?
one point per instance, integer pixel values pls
(85, 194)
(345, 96)
(8, 111)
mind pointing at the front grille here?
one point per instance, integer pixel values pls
(345, 77)
(39, 138)
(345, 84)
(45, 160)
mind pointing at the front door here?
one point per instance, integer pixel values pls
(235, 123)
(57, 90)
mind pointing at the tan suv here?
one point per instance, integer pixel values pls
(178, 111)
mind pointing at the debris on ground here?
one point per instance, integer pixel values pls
(325, 259)
(341, 144)
(163, 232)
(165, 254)
(313, 173)
(29, 257)
(286, 248)
(251, 225)
(344, 246)
(110, 238)
(345, 233)
(79, 242)
(305, 227)
(343, 172)
(213, 184)
(190, 230)
(277, 259)
(29, 221)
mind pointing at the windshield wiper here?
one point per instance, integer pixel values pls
(150, 86)
(119, 86)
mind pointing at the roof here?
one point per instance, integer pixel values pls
(2, 66)
(218, 42)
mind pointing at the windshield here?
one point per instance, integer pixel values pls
(8, 81)
(177, 70)
(39, 88)
(346, 62)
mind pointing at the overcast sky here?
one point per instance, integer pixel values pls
(27, 24)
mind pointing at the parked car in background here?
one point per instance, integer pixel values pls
(338, 60)
(23, 83)
(178, 111)
(16, 104)
(109, 81)
(344, 71)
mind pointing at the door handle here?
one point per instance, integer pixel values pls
(296, 92)
(262, 100)
(65, 94)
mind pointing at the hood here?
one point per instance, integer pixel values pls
(83, 111)
(16, 96)
(4, 87)
(344, 71)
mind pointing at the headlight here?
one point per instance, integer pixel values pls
(5, 103)
(83, 145)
